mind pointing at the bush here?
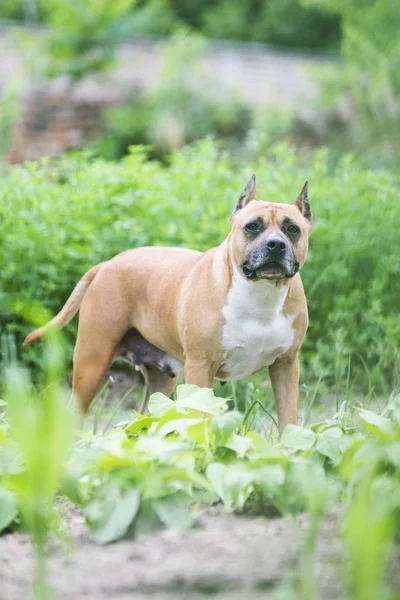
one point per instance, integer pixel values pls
(58, 218)
(367, 83)
(280, 22)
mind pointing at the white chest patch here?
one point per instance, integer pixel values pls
(256, 332)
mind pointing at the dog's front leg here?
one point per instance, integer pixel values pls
(285, 373)
(199, 372)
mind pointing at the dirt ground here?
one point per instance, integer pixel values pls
(225, 556)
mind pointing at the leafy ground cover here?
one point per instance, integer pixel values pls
(157, 471)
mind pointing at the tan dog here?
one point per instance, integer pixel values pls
(225, 313)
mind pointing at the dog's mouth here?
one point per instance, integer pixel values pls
(271, 270)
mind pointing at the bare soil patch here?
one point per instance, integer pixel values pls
(225, 556)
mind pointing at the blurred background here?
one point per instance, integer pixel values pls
(167, 72)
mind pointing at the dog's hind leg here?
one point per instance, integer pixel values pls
(93, 355)
(156, 381)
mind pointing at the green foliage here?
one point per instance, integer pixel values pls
(82, 36)
(369, 78)
(59, 218)
(12, 9)
(280, 22)
(35, 442)
(9, 112)
(152, 472)
(185, 104)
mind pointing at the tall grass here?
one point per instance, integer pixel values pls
(41, 425)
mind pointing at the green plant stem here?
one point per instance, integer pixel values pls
(41, 589)
(307, 577)
(249, 411)
(116, 409)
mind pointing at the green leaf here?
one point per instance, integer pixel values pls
(147, 520)
(297, 437)
(264, 451)
(392, 452)
(159, 404)
(239, 444)
(328, 443)
(375, 424)
(181, 426)
(233, 483)
(140, 425)
(223, 426)
(115, 523)
(309, 481)
(199, 433)
(173, 420)
(157, 448)
(186, 389)
(270, 477)
(174, 511)
(8, 508)
(204, 401)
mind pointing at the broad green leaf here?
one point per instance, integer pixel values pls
(199, 433)
(8, 508)
(140, 425)
(238, 444)
(115, 524)
(297, 437)
(186, 389)
(392, 452)
(375, 424)
(308, 481)
(233, 483)
(159, 404)
(181, 427)
(174, 511)
(270, 477)
(173, 420)
(204, 401)
(3, 435)
(10, 459)
(147, 521)
(385, 494)
(263, 450)
(158, 448)
(223, 426)
(328, 443)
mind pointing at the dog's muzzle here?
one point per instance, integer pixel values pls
(273, 260)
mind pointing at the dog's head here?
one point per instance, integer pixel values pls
(270, 240)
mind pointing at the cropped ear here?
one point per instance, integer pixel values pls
(303, 203)
(249, 193)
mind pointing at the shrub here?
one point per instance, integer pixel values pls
(368, 80)
(58, 218)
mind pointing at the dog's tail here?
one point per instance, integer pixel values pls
(69, 309)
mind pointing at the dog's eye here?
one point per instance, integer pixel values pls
(293, 229)
(252, 227)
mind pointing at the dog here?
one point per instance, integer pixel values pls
(225, 313)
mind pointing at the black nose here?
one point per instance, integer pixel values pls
(277, 245)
